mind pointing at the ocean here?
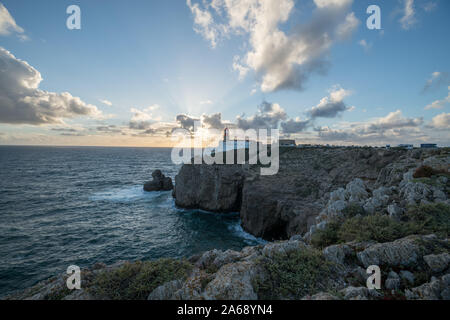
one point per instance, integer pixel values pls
(62, 206)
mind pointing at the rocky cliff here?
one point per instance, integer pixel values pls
(280, 206)
(343, 209)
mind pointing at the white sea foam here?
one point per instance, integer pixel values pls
(128, 194)
(236, 228)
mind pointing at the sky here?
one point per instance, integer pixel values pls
(137, 70)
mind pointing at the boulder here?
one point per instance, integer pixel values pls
(356, 191)
(407, 276)
(436, 289)
(159, 182)
(216, 188)
(233, 282)
(393, 281)
(395, 212)
(402, 252)
(336, 253)
(437, 262)
(165, 291)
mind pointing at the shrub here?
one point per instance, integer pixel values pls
(328, 236)
(380, 228)
(429, 218)
(135, 281)
(423, 219)
(293, 275)
(353, 209)
(423, 172)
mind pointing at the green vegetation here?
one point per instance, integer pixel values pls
(352, 210)
(293, 275)
(135, 281)
(423, 219)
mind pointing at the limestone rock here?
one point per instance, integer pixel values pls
(165, 291)
(159, 182)
(402, 252)
(437, 262)
(436, 289)
(233, 282)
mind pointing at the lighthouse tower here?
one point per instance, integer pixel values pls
(226, 135)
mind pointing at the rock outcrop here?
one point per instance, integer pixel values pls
(216, 188)
(242, 275)
(310, 182)
(159, 182)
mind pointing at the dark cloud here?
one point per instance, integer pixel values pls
(140, 125)
(331, 106)
(64, 129)
(186, 122)
(213, 121)
(109, 129)
(268, 116)
(295, 126)
(22, 102)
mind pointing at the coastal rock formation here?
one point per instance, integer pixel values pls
(310, 182)
(279, 270)
(342, 209)
(159, 182)
(216, 188)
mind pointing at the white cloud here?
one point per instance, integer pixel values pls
(436, 80)
(107, 102)
(430, 6)
(441, 121)
(22, 102)
(363, 43)
(439, 104)
(280, 60)
(409, 15)
(206, 102)
(268, 116)
(8, 25)
(143, 119)
(392, 128)
(331, 106)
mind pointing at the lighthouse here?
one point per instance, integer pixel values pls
(225, 135)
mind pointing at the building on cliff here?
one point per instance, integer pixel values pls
(226, 144)
(287, 143)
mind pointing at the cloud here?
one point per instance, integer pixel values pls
(430, 6)
(295, 126)
(107, 102)
(439, 104)
(186, 122)
(436, 80)
(441, 121)
(143, 119)
(112, 129)
(204, 23)
(393, 120)
(205, 102)
(8, 25)
(331, 106)
(22, 102)
(280, 60)
(409, 15)
(393, 127)
(268, 116)
(363, 43)
(213, 121)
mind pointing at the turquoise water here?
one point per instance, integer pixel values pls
(65, 205)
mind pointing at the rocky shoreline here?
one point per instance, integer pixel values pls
(330, 212)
